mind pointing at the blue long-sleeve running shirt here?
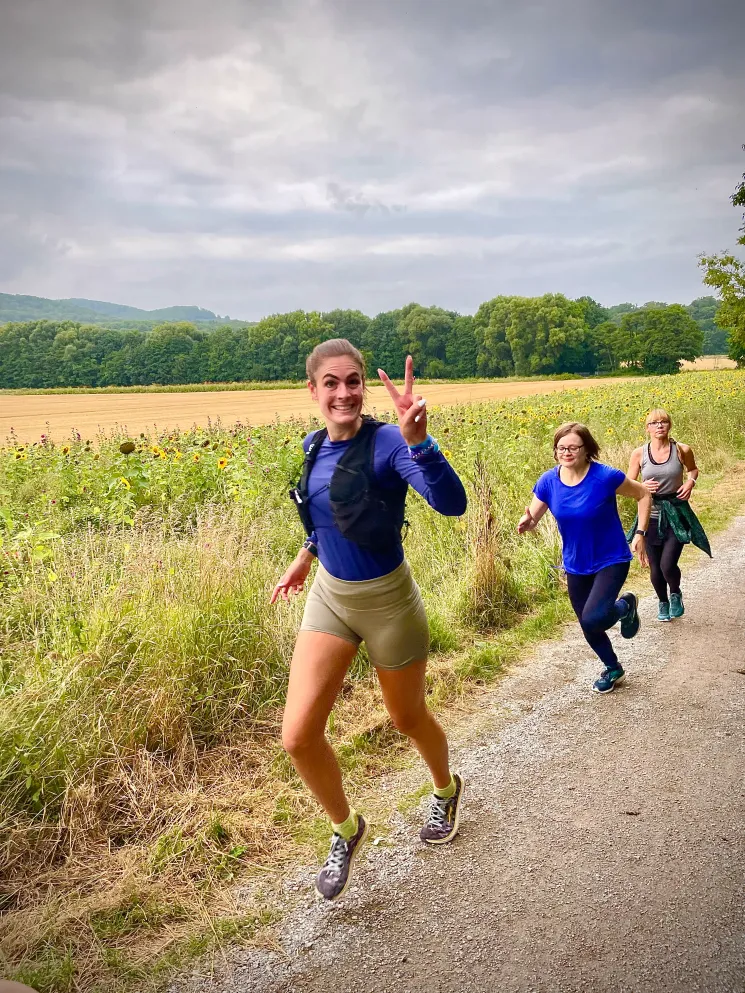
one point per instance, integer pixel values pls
(432, 476)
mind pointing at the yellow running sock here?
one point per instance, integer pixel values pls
(446, 792)
(348, 828)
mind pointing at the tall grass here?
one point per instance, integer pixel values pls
(142, 667)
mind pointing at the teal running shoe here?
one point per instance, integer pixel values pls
(663, 611)
(676, 605)
(608, 680)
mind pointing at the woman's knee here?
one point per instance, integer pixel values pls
(299, 736)
(599, 619)
(407, 720)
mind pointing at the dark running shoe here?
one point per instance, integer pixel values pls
(334, 877)
(608, 680)
(630, 623)
(444, 817)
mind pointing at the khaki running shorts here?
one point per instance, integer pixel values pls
(386, 613)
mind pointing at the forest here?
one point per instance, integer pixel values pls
(508, 336)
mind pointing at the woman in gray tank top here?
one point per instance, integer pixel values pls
(662, 463)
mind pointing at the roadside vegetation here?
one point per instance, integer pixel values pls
(147, 810)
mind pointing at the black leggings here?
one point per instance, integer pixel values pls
(663, 562)
(596, 604)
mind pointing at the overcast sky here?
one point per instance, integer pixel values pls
(254, 156)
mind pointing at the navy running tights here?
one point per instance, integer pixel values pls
(596, 604)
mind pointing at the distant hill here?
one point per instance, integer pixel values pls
(14, 307)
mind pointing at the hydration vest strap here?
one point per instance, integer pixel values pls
(362, 452)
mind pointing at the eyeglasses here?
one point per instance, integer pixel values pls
(657, 424)
(573, 449)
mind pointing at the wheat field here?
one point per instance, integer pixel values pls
(89, 414)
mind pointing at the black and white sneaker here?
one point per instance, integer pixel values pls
(444, 817)
(336, 872)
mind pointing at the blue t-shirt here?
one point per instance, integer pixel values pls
(587, 516)
(432, 476)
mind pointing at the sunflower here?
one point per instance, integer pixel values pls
(222, 463)
(65, 449)
(125, 483)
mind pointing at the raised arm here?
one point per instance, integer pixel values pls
(433, 477)
(417, 460)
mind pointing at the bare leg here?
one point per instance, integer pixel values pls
(403, 694)
(319, 664)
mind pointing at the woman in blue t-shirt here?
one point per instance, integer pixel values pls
(581, 494)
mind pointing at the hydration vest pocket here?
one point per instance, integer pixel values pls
(360, 514)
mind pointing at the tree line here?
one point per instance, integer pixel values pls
(508, 336)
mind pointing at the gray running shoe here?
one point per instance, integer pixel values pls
(444, 817)
(334, 877)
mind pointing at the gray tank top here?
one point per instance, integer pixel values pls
(669, 474)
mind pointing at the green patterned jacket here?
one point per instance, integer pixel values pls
(681, 517)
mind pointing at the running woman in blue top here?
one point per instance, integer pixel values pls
(581, 494)
(363, 591)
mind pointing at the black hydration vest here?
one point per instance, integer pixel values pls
(365, 512)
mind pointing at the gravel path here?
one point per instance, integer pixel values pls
(602, 844)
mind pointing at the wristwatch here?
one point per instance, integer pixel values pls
(641, 532)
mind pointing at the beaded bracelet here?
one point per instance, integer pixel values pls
(428, 447)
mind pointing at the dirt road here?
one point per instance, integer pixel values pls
(602, 847)
(89, 413)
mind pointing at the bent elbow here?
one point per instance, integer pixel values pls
(458, 507)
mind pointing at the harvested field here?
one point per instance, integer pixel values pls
(59, 414)
(709, 363)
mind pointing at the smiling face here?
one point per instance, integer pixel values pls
(339, 390)
(570, 451)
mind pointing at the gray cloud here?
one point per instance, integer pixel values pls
(253, 157)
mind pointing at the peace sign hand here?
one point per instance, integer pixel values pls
(410, 407)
